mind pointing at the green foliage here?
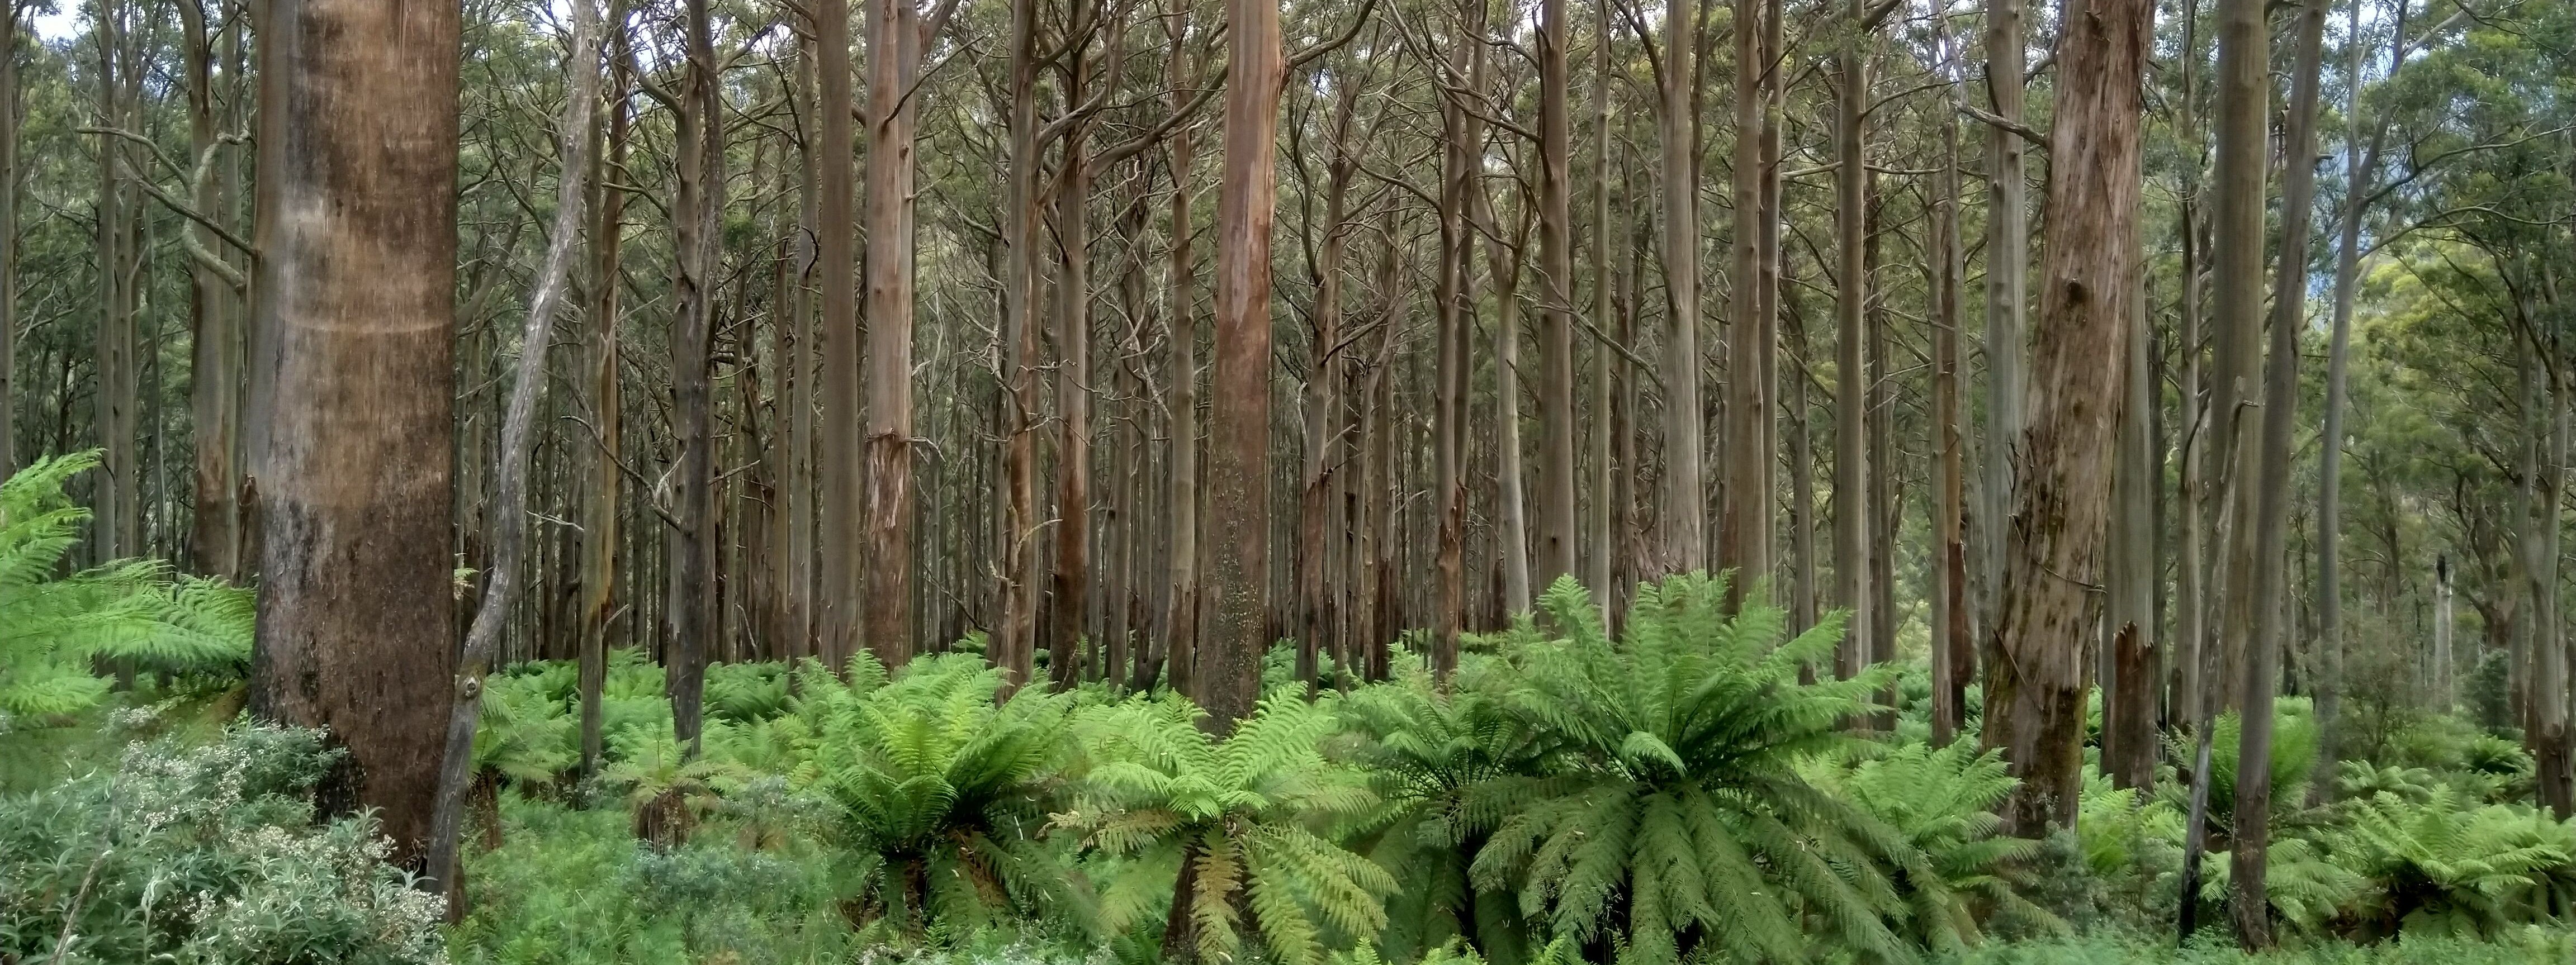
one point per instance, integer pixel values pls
(1943, 800)
(1249, 821)
(940, 787)
(1669, 816)
(205, 855)
(2440, 865)
(2532, 946)
(2294, 757)
(53, 627)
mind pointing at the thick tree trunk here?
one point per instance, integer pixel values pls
(1239, 454)
(215, 364)
(351, 427)
(1602, 536)
(895, 39)
(689, 623)
(798, 393)
(600, 525)
(2007, 289)
(1014, 642)
(1744, 529)
(1555, 550)
(1181, 616)
(1684, 503)
(2265, 554)
(1070, 579)
(2062, 484)
(840, 518)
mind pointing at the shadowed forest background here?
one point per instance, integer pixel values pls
(1350, 481)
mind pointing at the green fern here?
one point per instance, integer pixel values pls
(1671, 819)
(53, 627)
(1246, 822)
(2443, 866)
(1943, 800)
(941, 787)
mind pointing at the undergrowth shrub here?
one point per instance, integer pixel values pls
(207, 854)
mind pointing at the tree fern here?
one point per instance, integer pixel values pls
(1245, 822)
(1943, 800)
(2443, 866)
(1668, 816)
(945, 789)
(53, 627)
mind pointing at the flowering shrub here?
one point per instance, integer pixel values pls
(207, 855)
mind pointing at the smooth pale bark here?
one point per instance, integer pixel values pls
(1744, 525)
(1852, 515)
(2329, 591)
(1683, 510)
(1238, 482)
(689, 619)
(2266, 553)
(214, 371)
(1554, 553)
(1802, 482)
(1953, 653)
(354, 414)
(1377, 468)
(2062, 477)
(599, 518)
(1182, 599)
(116, 503)
(842, 523)
(510, 477)
(2007, 286)
(896, 35)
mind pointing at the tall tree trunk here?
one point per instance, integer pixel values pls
(1953, 654)
(1068, 614)
(8, 237)
(355, 411)
(1015, 640)
(510, 477)
(799, 391)
(2062, 485)
(1460, 165)
(1851, 392)
(2129, 744)
(895, 38)
(1744, 529)
(1181, 618)
(2364, 168)
(1239, 456)
(690, 624)
(1555, 551)
(842, 529)
(115, 530)
(2265, 555)
(2007, 287)
(215, 365)
(2548, 739)
(599, 518)
(2191, 604)
(1683, 510)
(1603, 542)
(1322, 398)
(1503, 259)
